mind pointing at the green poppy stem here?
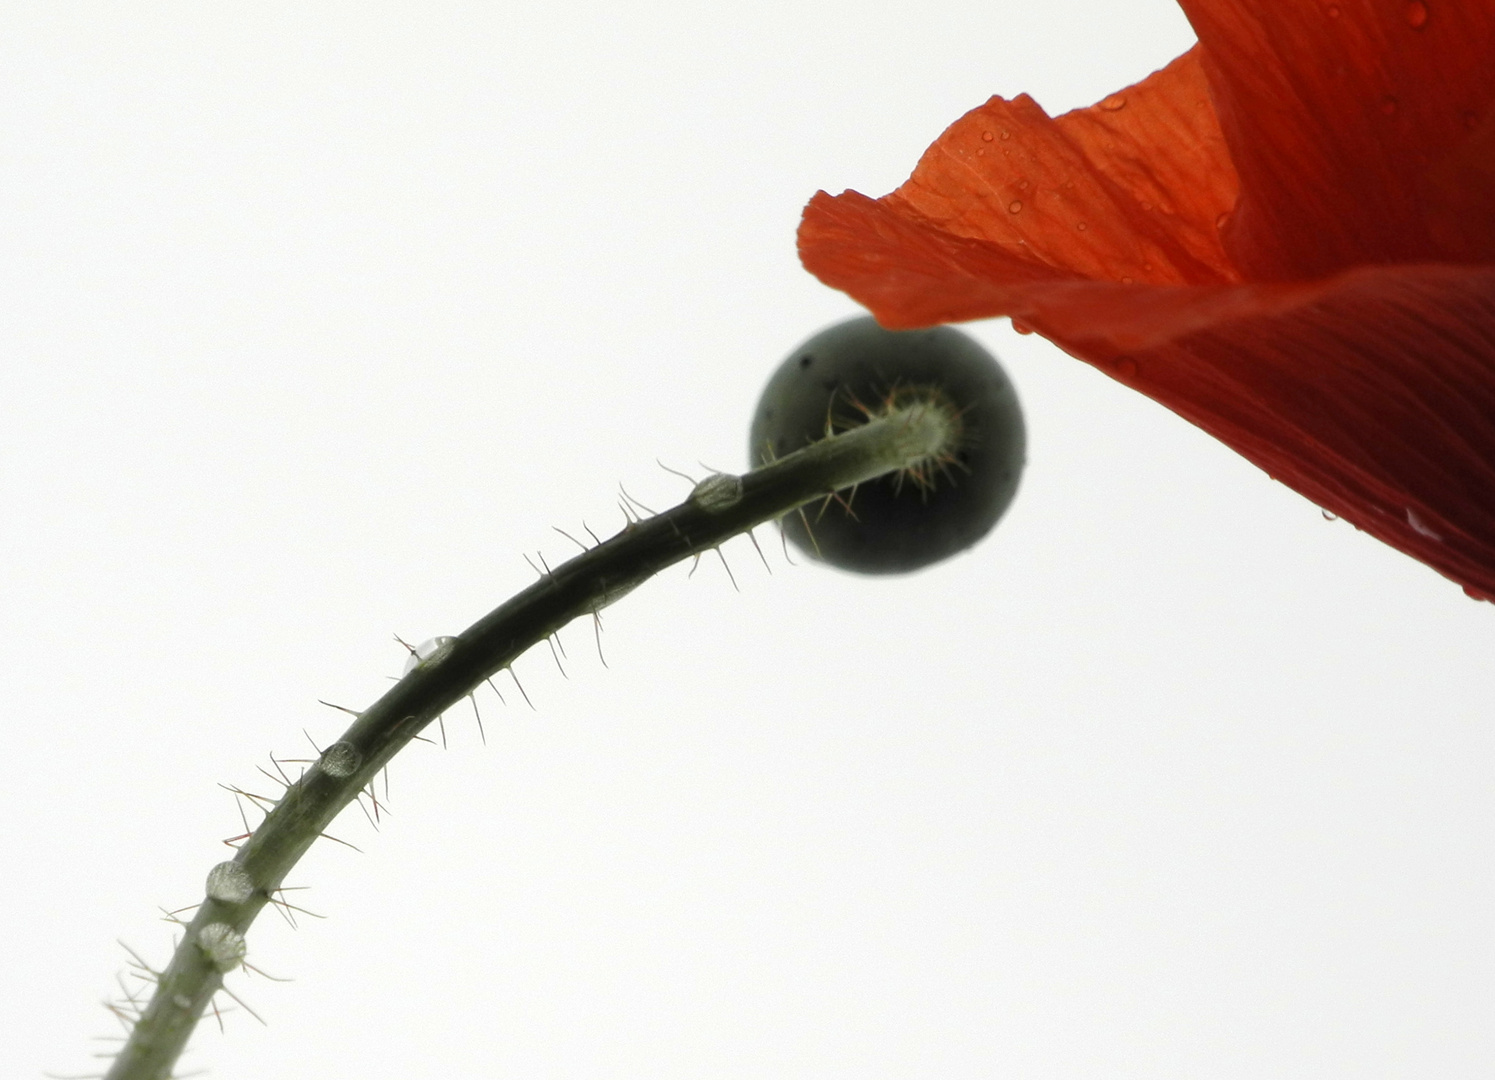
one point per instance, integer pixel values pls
(719, 508)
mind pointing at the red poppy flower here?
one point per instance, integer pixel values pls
(1286, 236)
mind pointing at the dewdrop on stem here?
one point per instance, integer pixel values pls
(340, 759)
(429, 651)
(223, 945)
(229, 883)
(718, 492)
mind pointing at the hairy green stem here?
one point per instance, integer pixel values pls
(719, 508)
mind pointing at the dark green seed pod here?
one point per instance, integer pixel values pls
(855, 370)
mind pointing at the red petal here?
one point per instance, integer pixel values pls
(1298, 140)
(1131, 189)
(1350, 124)
(1371, 393)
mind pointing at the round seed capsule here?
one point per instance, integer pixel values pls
(851, 372)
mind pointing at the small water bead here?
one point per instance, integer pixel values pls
(987, 136)
(432, 649)
(182, 1001)
(610, 595)
(1221, 219)
(1082, 226)
(1006, 135)
(1417, 14)
(340, 759)
(1014, 206)
(1021, 327)
(718, 492)
(1420, 525)
(1329, 515)
(1114, 103)
(229, 883)
(223, 945)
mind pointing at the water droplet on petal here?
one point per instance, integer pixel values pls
(1420, 525)
(1389, 105)
(1114, 103)
(434, 648)
(229, 883)
(1127, 280)
(987, 136)
(1417, 14)
(223, 945)
(340, 759)
(1221, 219)
(1126, 366)
(1014, 206)
(1329, 515)
(1006, 135)
(1082, 226)
(1021, 327)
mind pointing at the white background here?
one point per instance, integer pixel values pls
(315, 317)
